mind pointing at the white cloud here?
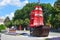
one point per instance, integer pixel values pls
(11, 15)
(13, 2)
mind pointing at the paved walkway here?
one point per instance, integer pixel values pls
(25, 37)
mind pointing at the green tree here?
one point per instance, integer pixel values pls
(57, 5)
(7, 22)
(6, 19)
(26, 22)
(24, 12)
(18, 22)
(55, 19)
(47, 12)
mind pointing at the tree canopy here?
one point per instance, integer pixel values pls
(56, 21)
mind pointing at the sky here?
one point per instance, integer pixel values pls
(8, 7)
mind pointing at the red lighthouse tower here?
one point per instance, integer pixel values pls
(37, 27)
(37, 17)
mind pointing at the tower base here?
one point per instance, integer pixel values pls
(42, 31)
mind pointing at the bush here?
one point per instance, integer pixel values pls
(2, 27)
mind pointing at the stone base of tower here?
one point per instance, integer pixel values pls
(40, 31)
